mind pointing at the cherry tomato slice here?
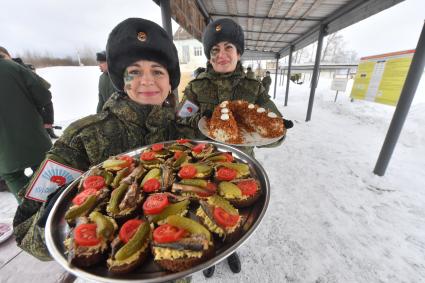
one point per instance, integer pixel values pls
(167, 233)
(225, 219)
(226, 174)
(151, 185)
(147, 156)
(156, 203)
(128, 161)
(128, 229)
(157, 147)
(199, 148)
(85, 235)
(248, 188)
(181, 141)
(229, 157)
(177, 154)
(94, 182)
(81, 197)
(211, 187)
(187, 172)
(60, 180)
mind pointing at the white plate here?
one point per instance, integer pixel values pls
(250, 139)
(6, 229)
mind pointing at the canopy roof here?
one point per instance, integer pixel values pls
(271, 27)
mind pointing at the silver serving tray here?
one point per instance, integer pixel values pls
(57, 230)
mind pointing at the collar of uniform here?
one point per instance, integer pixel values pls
(131, 112)
(127, 110)
(237, 73)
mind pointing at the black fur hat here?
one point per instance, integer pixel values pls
(101, 56)
(223, 30)
(139, 39)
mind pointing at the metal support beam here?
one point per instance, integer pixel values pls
(314, 78)
(291, 49)
(275, 76)
(166, 16)
(203, 11)
(407, 93)
(274, 33)
(265, 17)
(166, 24)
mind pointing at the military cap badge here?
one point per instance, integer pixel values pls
(142, 36)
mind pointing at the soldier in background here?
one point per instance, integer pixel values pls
(46, 111)
(23, 116)
(249, 73)
(106, 88)
(266, 82)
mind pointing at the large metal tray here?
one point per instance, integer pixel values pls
(57, 229)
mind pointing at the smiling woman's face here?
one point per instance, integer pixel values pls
(147, 82)
(224, 57)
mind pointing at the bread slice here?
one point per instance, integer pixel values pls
(184, 263)
(135, 261)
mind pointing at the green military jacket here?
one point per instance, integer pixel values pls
(266, 82)
(250, 75)
(121, 126)
(23, 139)
(106, 89)
(210, 88)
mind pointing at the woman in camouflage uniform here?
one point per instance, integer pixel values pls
(224, 79)
(144, 68)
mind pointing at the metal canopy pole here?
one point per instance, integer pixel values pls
(314, 78)
(407, 93)
(291, 49)
(166, 16)
(275, 76)
(166, 24)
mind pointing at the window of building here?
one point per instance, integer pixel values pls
(198, 51)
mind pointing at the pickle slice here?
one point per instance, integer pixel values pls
(173, 209)
(116, 197)
(241, 168)
(135, 243)
(105, 226)
(153, 173)
(229, 190)
(120, 175)
(224, 204)
(188, 224)
(195, 182)
(74, 212)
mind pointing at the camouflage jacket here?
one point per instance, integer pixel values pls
(106, 89)
(209, 89)
(266, 82)
(122, 126)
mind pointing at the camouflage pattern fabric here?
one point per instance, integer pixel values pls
(250, 74)
(210, 88)
(266, 82)
(122, 126)
(106, 89)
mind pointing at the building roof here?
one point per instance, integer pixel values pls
(271, 27)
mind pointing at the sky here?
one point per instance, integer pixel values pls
(60, 27)
(330, 219)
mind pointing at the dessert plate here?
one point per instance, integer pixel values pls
(250, 139)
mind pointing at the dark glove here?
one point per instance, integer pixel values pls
(51, 200)
(288, 123)
(207, 113)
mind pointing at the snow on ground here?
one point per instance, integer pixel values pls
(330, 218)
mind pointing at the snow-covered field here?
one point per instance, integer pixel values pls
(330, 218)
